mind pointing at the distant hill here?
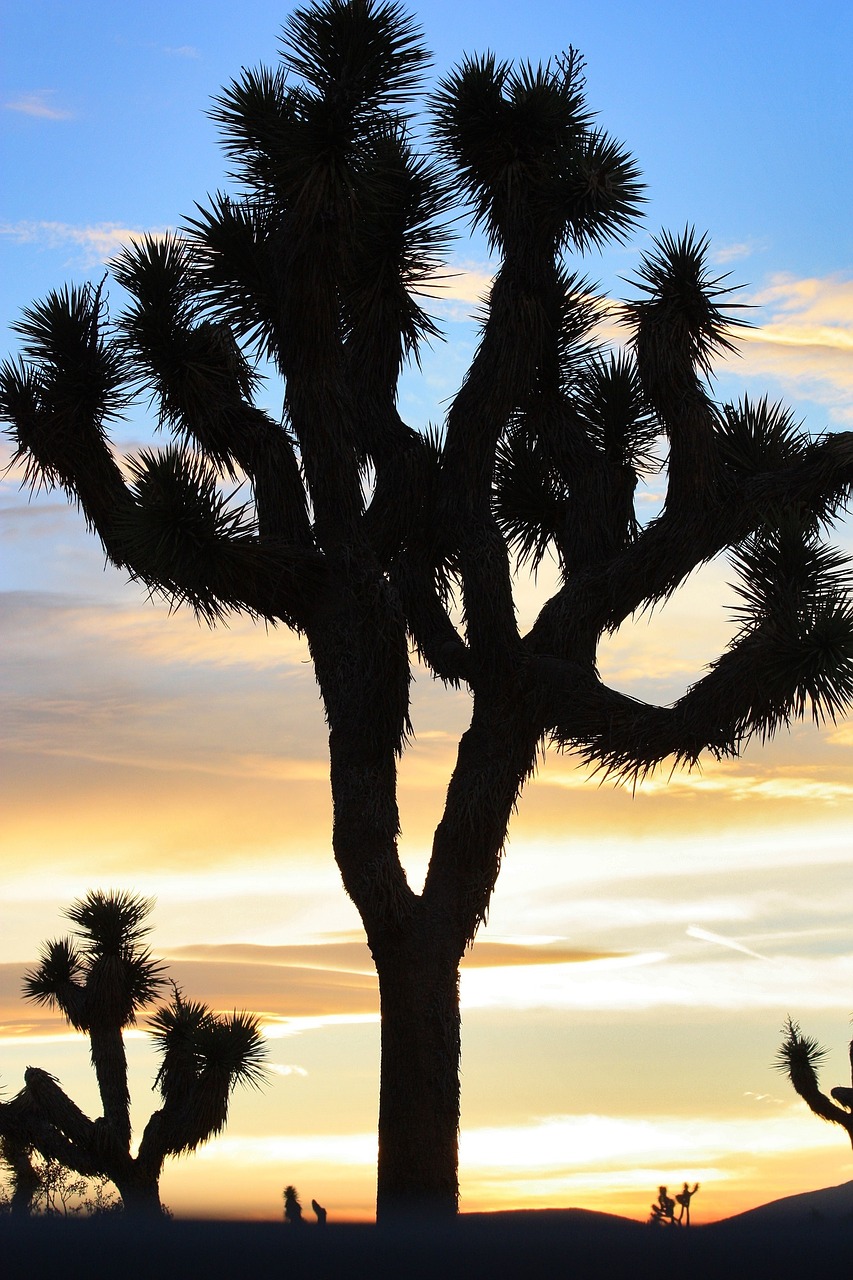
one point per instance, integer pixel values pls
(579, 1219)
(831, 1204)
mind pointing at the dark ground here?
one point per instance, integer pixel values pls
(571, 1244)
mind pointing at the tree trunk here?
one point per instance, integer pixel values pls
(140, 1193)
(110, 1062)
(25, 1180)
(419, 1084)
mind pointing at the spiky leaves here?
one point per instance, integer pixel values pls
(521, 143)
(794, 599)
(680, 325)
(565, 473)
(682, 320)
(363, 53)
(70, 382)
(204, 1056)
(194, 367)
(107, 976)
(101, 984)
(799, 1058)
(59, 981)
(182, 536)
(756, 436)
(338, 200)
(792, 656)
(609, 398)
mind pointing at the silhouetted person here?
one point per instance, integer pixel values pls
(320, 1212)
(684, 1197)
(292, 1207)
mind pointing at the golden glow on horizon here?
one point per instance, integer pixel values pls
(619, 975)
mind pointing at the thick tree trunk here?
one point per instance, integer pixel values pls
(140, 1193)
(419, 1087)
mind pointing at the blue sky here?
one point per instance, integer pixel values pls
(141, 751)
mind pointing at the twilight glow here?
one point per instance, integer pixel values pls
(621, 1011)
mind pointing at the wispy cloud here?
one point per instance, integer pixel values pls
(726, 253)
(803, 338)
(181, 51)
(38, 104)
(458, 291)
(95, 243)
(555, 1142)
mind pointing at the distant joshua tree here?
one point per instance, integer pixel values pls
(799, 1058)
(100, 980)
(320, 1212)
(663, 1210)
(683, 1198)
(292, 1207)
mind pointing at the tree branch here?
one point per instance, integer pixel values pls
(772, 673)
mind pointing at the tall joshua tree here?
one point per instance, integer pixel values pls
(100, 980)
(363, 534)
(799, 1058)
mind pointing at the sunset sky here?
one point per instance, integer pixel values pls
(621, 1011)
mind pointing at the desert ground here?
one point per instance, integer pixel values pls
(799, 1236)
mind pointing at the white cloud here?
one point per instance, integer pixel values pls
(96, 243)
(556, 1143)
(803, 338)
(656, 980)
(38, 104)
(181, 51)
(725, 253)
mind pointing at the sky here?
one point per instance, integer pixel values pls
(622, 1008)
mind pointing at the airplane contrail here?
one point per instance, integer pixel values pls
(705, 935)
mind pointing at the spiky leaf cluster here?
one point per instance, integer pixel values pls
(182, 530)
(106, 975)
(683, 317)
(609, 399)
(69, 383)
(526, 155)
(337, 197)
(204, 1056)
(756, 436)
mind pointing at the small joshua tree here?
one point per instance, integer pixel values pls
(799, 1058)
(292, 1207)
(100, 980)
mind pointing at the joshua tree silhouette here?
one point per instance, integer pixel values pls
(100, 979)
(798, 1058)
(292, 1207)
(683, 1198)
(663, 1209)
(372, 538)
